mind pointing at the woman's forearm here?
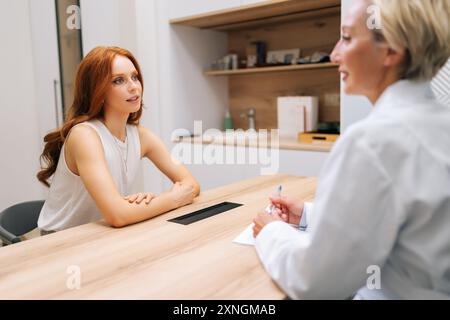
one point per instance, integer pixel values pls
(126, 213)
(121, 213)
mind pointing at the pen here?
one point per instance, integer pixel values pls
(280, 188)
(270, 208)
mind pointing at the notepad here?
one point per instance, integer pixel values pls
(246, 237)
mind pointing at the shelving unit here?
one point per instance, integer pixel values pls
(270, 69)
(243, 16)
(311, 25)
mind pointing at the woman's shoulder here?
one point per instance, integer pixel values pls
(149, 140)
(85, 129)
(83, 134)
(144, 132)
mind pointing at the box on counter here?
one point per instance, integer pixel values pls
(297, 114)
(314, 137)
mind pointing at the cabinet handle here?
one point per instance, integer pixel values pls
(55, 96)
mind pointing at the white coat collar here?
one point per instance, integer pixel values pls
(404, 93)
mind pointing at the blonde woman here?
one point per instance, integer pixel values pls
(380, 223)
(93, 159)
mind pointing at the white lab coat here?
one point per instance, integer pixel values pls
(383, 199)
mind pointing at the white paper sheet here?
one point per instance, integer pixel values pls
(246, 237)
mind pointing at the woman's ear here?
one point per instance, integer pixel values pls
(394, 58)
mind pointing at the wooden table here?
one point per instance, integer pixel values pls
(155, 259)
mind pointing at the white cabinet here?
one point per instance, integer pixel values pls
(215, 165)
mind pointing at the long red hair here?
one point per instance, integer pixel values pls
(93, 78)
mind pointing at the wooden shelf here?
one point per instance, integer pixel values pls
(271, 69)
(222, 19)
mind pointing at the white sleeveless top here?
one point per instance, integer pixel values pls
(69, 203)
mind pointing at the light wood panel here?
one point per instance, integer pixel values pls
(254, 12)
(155, 259)
(261, 92)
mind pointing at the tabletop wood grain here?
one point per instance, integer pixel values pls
(154, 259)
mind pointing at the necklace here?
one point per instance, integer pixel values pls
(123, 150)
(122, 147)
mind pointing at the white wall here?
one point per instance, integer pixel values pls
(108, 23)
(19, 129)
(184, 8)
(46, 66)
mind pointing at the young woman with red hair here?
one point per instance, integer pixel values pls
(93, 159)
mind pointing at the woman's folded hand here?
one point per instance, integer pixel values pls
(139, 197)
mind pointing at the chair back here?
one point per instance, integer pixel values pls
(18, 220)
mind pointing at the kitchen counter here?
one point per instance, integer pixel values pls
(246, 140)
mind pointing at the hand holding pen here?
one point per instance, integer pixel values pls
(270, 208)
(281, 209)
(290, 210)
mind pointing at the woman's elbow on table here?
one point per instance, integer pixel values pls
(196, 186)
(115, 219)
(114, 213)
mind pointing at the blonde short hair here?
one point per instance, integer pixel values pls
(421, 27)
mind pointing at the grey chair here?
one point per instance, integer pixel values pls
(19, 219)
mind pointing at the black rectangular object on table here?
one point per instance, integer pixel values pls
(205, 213)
